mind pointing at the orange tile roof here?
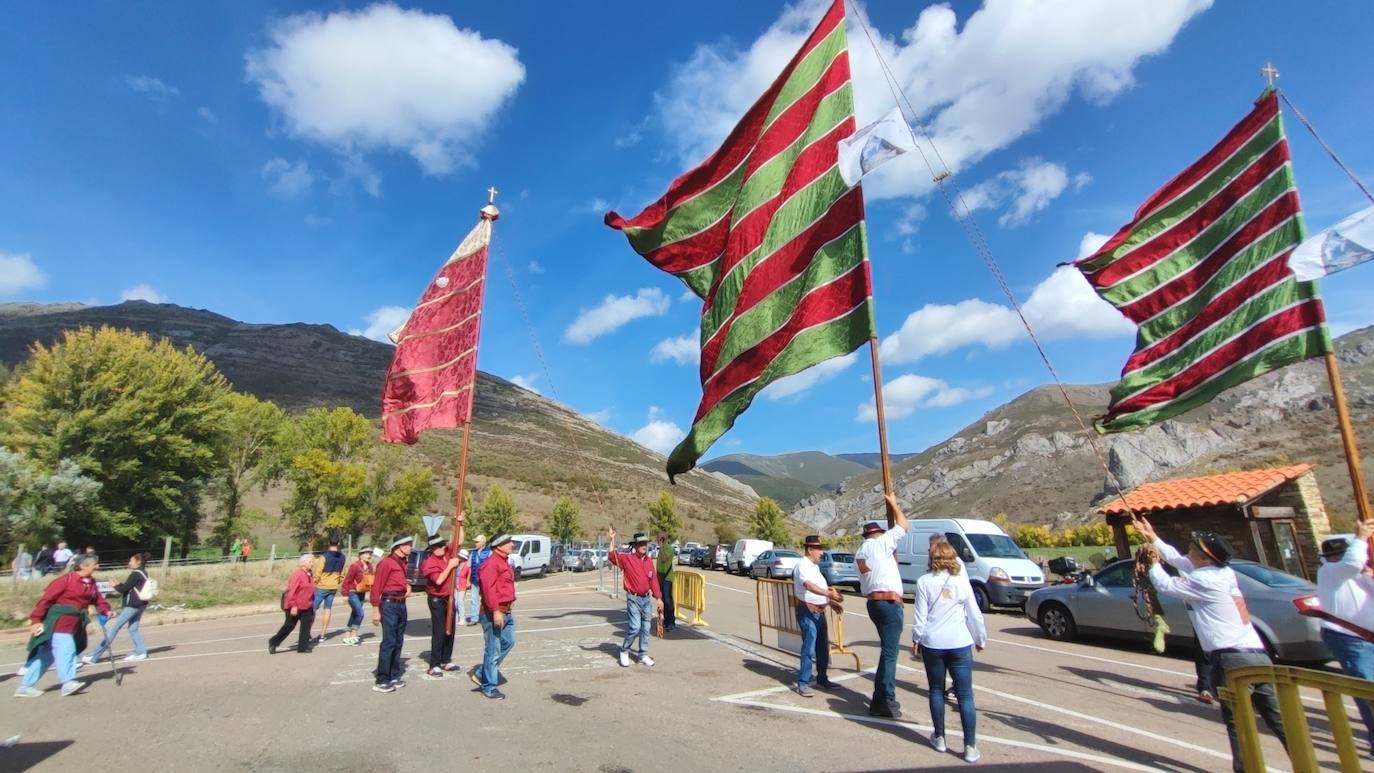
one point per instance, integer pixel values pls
(1232, 488)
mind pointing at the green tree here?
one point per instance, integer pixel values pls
(396, 496)
(497, 515)
(141, 417)
(252, 430)
(36, 506)
(325, 453)
(565, 522)
(726, 533)
(663, 517)
(769, 523)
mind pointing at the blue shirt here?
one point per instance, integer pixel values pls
(477, 558)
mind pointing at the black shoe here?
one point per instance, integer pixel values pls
(495, 695)
(271, 648)
(826, 684)
(888, 711)
(305, 651)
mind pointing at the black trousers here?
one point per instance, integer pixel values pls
(1262, 697)
(389, 665)
(669, 610)
(440, 642)
(306, 618)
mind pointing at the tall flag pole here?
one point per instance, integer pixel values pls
(433, 374)
(770, 236)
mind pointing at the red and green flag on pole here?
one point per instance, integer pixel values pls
(1203, 272)
(766, 232)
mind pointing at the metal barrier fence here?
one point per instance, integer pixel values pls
(1287, 680)
(776, 602)
(689, 592)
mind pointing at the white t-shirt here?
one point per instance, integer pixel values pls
(1212, 594)
(809, 572)
(877, 553)
(945, 614)
(1342, 594)
(61, 557)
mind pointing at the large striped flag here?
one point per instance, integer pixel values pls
(1203, 271)
(767, 233)
(431, 379)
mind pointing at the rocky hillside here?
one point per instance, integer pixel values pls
(1029, 459)
(537, 448)
(790, 478)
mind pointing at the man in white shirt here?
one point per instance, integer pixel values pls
(1345, 599)
(813, 594)
(1220, 619)
(880, 581)
(60, 557)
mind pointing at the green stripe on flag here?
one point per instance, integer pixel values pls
(807, 73)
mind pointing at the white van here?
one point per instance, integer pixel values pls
(744, 553)
(530, 554)
(1000, 573)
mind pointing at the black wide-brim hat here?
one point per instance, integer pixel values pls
(400, 540)
(436, 542)
(639, 538)
(1213, 545)
(813, 541)
(1335, 547)
(873, 527)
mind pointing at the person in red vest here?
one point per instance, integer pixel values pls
(438, 571)
(298, 602)
(498, 624)
(643, 597)
(57, 630)
(389, 591)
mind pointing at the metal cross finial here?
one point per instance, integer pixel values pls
(491, 195)
(1270, 72)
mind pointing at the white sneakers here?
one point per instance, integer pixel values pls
(28, 692)
(72, 687)
(646, 661)
(971, 754)
(937, 743)
(134, 658)
(624, 659)
(87, 660)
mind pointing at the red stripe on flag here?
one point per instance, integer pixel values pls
(450, 411)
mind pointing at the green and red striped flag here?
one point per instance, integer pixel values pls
(1203, 272)
(767, 233)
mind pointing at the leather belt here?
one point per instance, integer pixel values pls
(1237, 651)
(885, 595)
(814, 609)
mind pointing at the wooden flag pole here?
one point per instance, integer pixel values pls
(1352, 453)
(458, 515)
(882, 422)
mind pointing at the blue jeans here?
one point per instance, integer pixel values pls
(959, 663)
(641, 612)
(1356, 657)
(497, 644)
(389, 667)
(815, 645)
(474, 602)
(130, 616)
(355, 611)
(887, 617)
(61, 648)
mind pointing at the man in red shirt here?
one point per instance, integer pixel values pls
(298, 602)
(498, 624)
(389, 591)
(57, 630)
(643, 597)
(438, 570)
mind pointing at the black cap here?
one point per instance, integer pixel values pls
(1213, 545)
(874, 527)
(1335, 548)
(640, 537)
(813, 541)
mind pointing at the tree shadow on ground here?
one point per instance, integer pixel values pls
(23, 756)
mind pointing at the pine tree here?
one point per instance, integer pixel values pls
(663, 517)
(769, 523)
(565, 522)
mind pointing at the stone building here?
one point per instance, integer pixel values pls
(1274, 516)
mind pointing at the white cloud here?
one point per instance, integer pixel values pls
(816, 374)
(658, 433)
(909, 222)
(381, 321)
(1091, 243)
(18, 273)
(614, 312)
(633, 136)
(687, 296)
(385, 78)
(526, 382)
(1062, 306)
(1081, 181)
(976, 87)
(535, 267)
(684, 350)
(1024, 191)
(142, 292)
(286, 179)
(600, 417)
(904, 394)
(152, 88)
(207, 115)
(596, 206)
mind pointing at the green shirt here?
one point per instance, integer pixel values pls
(666, 563)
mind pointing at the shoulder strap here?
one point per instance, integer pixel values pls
(931, 609)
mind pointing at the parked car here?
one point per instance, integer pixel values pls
(720, 558)
(572, 559)
(591, 559)
(1000, 573)
(839, 570)
(530, 555)
(1101, 605)
(774, 564)
(684, 555)
(743, 554)
(698, 558)
(556, 554)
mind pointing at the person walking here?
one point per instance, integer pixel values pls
(463, 590)
(1348, 607)
(247, 549)
(665, 566)
(42, 563)
(880, 581)
(234, 550)
(389, 591)
(946, 627)
(498, 623)
(438, 570)
(298, 604)
(643, 597)
(477, 555)
(813, 595)
(328, 574)
(357, 582)
(131, 615)
(57, 628)
(1220, 619)
(60, 557)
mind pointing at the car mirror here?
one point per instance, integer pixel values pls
(968, 556)
(1089, 582)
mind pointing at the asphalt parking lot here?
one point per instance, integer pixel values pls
(209, 697)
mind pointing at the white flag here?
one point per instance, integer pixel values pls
(1345, 244)
(874, 145)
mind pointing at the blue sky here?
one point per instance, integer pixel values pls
(280, 162)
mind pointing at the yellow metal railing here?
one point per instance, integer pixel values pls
(1287, 681)
(689, 592)
(776, 602)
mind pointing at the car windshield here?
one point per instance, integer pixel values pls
(994, 546)
(786, 554)
(515, 545)
(842, 558)
(1271, 577)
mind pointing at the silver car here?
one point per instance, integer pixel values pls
(838, 570)
(774, 564)
(1101, 605)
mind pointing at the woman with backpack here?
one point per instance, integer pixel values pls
(946, 627)
(135, 592)
(356, 584)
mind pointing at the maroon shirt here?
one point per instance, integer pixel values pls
(356, 572)
(390, 579)
(431, 569)
(498, 583)
(75, 590)
(300, 591)
(639, 575)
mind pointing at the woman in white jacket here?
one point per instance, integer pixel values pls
(947, 627)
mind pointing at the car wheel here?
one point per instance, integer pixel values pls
(981, 596)
(1057, 622)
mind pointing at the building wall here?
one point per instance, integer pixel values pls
(1310, 521)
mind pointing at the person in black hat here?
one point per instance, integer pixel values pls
(438, 571)
(389, 591)
(641, 590)
(1347, 612)
(498, 623)
(813, 596)
(1219, 616)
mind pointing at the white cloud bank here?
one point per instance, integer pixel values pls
(904, 394)
(142, 292)
(658, 433)
(1023, 191)
(381, 321)
(614, 312)
(18, 273)
(816, 374)
(526, 382)
(385, 78)
(286, 179)
(683, 350)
